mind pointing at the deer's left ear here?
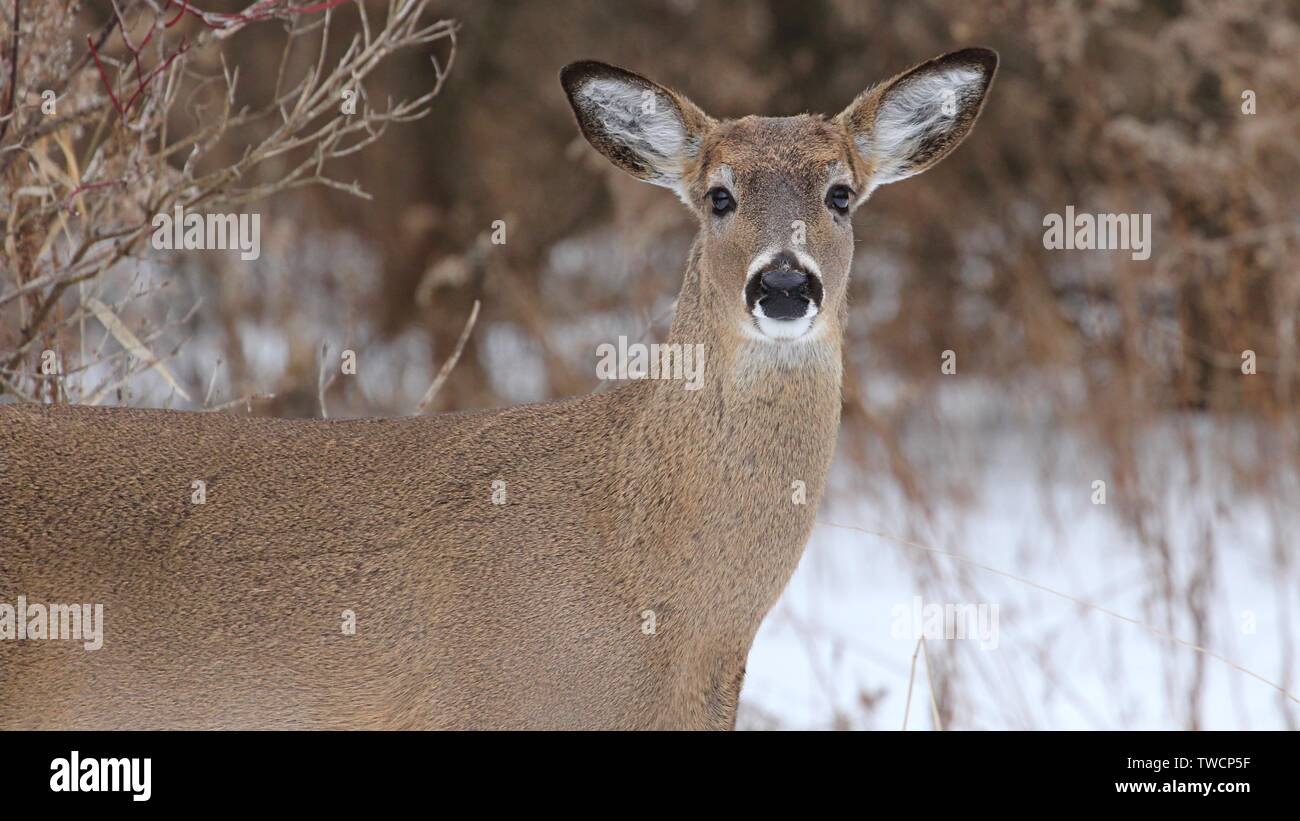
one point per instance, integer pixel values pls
(649, 131)
(905, 125)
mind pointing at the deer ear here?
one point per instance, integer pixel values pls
(907, 124)
(649, 131)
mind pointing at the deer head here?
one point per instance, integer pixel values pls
(775, 196)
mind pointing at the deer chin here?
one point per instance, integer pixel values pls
(788, 329)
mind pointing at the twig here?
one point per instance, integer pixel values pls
(246, 401)
(142, 84)
(13, 72)
(322, 384)
(445, 370)
(907, 707)
(929, 677)
(89, 186)
(212, 384)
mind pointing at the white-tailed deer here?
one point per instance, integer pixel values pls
(599, 562)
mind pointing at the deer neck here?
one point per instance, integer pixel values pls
(727, 478)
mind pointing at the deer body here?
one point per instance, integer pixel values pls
(618, 582)
(229, 613)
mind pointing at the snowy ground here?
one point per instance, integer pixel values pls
(835, 652)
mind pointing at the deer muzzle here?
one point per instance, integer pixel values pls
(783, 291)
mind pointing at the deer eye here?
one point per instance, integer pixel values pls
(839, 198)
(722, 200)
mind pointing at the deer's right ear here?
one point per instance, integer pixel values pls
(907, 124)
(649, 131)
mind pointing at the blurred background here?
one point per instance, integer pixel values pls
(1073, 367)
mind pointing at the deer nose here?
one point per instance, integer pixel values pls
(785, 282)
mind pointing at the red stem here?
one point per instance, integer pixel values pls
(103, 75)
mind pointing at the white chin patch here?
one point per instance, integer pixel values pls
(784, 328)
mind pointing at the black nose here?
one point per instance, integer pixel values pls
(785, 282)
(783, 290)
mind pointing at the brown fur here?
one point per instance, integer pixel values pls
(470, 614)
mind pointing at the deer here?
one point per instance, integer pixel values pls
(598, 562)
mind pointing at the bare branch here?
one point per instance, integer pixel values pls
(447, 366)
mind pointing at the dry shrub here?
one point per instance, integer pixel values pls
(122, 112)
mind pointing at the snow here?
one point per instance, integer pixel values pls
(827, 656)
